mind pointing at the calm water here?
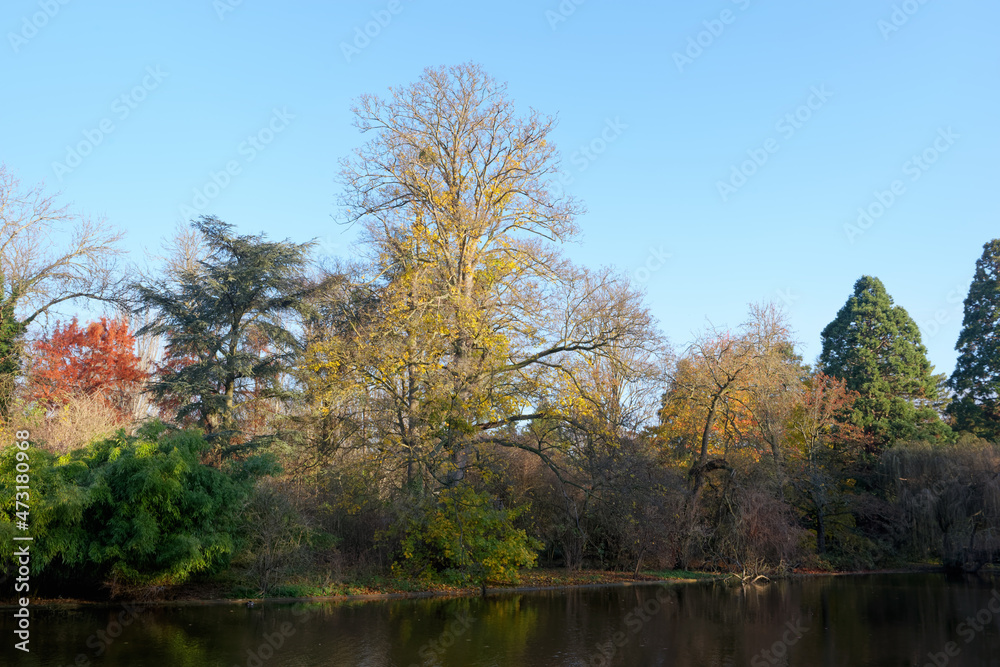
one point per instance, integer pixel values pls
(878, 620)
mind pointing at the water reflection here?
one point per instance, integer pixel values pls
(858, 621)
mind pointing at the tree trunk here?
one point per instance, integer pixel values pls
(820, 531)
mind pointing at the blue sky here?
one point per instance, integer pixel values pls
(740, 138)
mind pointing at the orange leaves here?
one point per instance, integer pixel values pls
(96, 360)
(821, 415)
(731, 389)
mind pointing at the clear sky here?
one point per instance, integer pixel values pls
(731, 142)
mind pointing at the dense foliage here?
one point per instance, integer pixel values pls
(462, 401)
(225, 321)
(464, 536)
(98, 360)
(131, 510)
(875, 347)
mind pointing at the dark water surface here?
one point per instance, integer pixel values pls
(857, 621)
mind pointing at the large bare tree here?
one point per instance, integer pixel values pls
(473, 320)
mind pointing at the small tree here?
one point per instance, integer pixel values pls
(465, 537)
(821, 449)
(97, 360)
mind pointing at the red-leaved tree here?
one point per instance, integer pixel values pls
(96, 360)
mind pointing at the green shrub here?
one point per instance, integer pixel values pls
(134, 510)
(57, 499)
(464, 538)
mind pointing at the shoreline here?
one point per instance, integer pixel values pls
(648, 579)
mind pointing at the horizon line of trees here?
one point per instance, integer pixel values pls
(463, 401)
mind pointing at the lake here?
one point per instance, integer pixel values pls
(857, 621)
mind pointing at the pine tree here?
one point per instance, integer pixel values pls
(976, 380)
(874, 346)
(226, 323)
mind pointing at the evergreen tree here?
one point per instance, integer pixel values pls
(225, 319)
(976, 379)
(10, 346)
(874, 346)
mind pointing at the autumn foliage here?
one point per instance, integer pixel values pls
(97, 360)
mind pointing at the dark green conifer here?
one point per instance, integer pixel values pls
(976, 379)
(875, 347)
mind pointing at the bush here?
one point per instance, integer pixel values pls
(948, 497)
(79, 420)
(57, 500)
(135, 511)
(465, 538)
(277, 535)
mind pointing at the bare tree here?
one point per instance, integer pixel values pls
(48, 255)
(473, 321)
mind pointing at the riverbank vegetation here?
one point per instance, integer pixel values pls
(460, 401)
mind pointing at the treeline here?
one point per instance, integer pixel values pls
(461, 401)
